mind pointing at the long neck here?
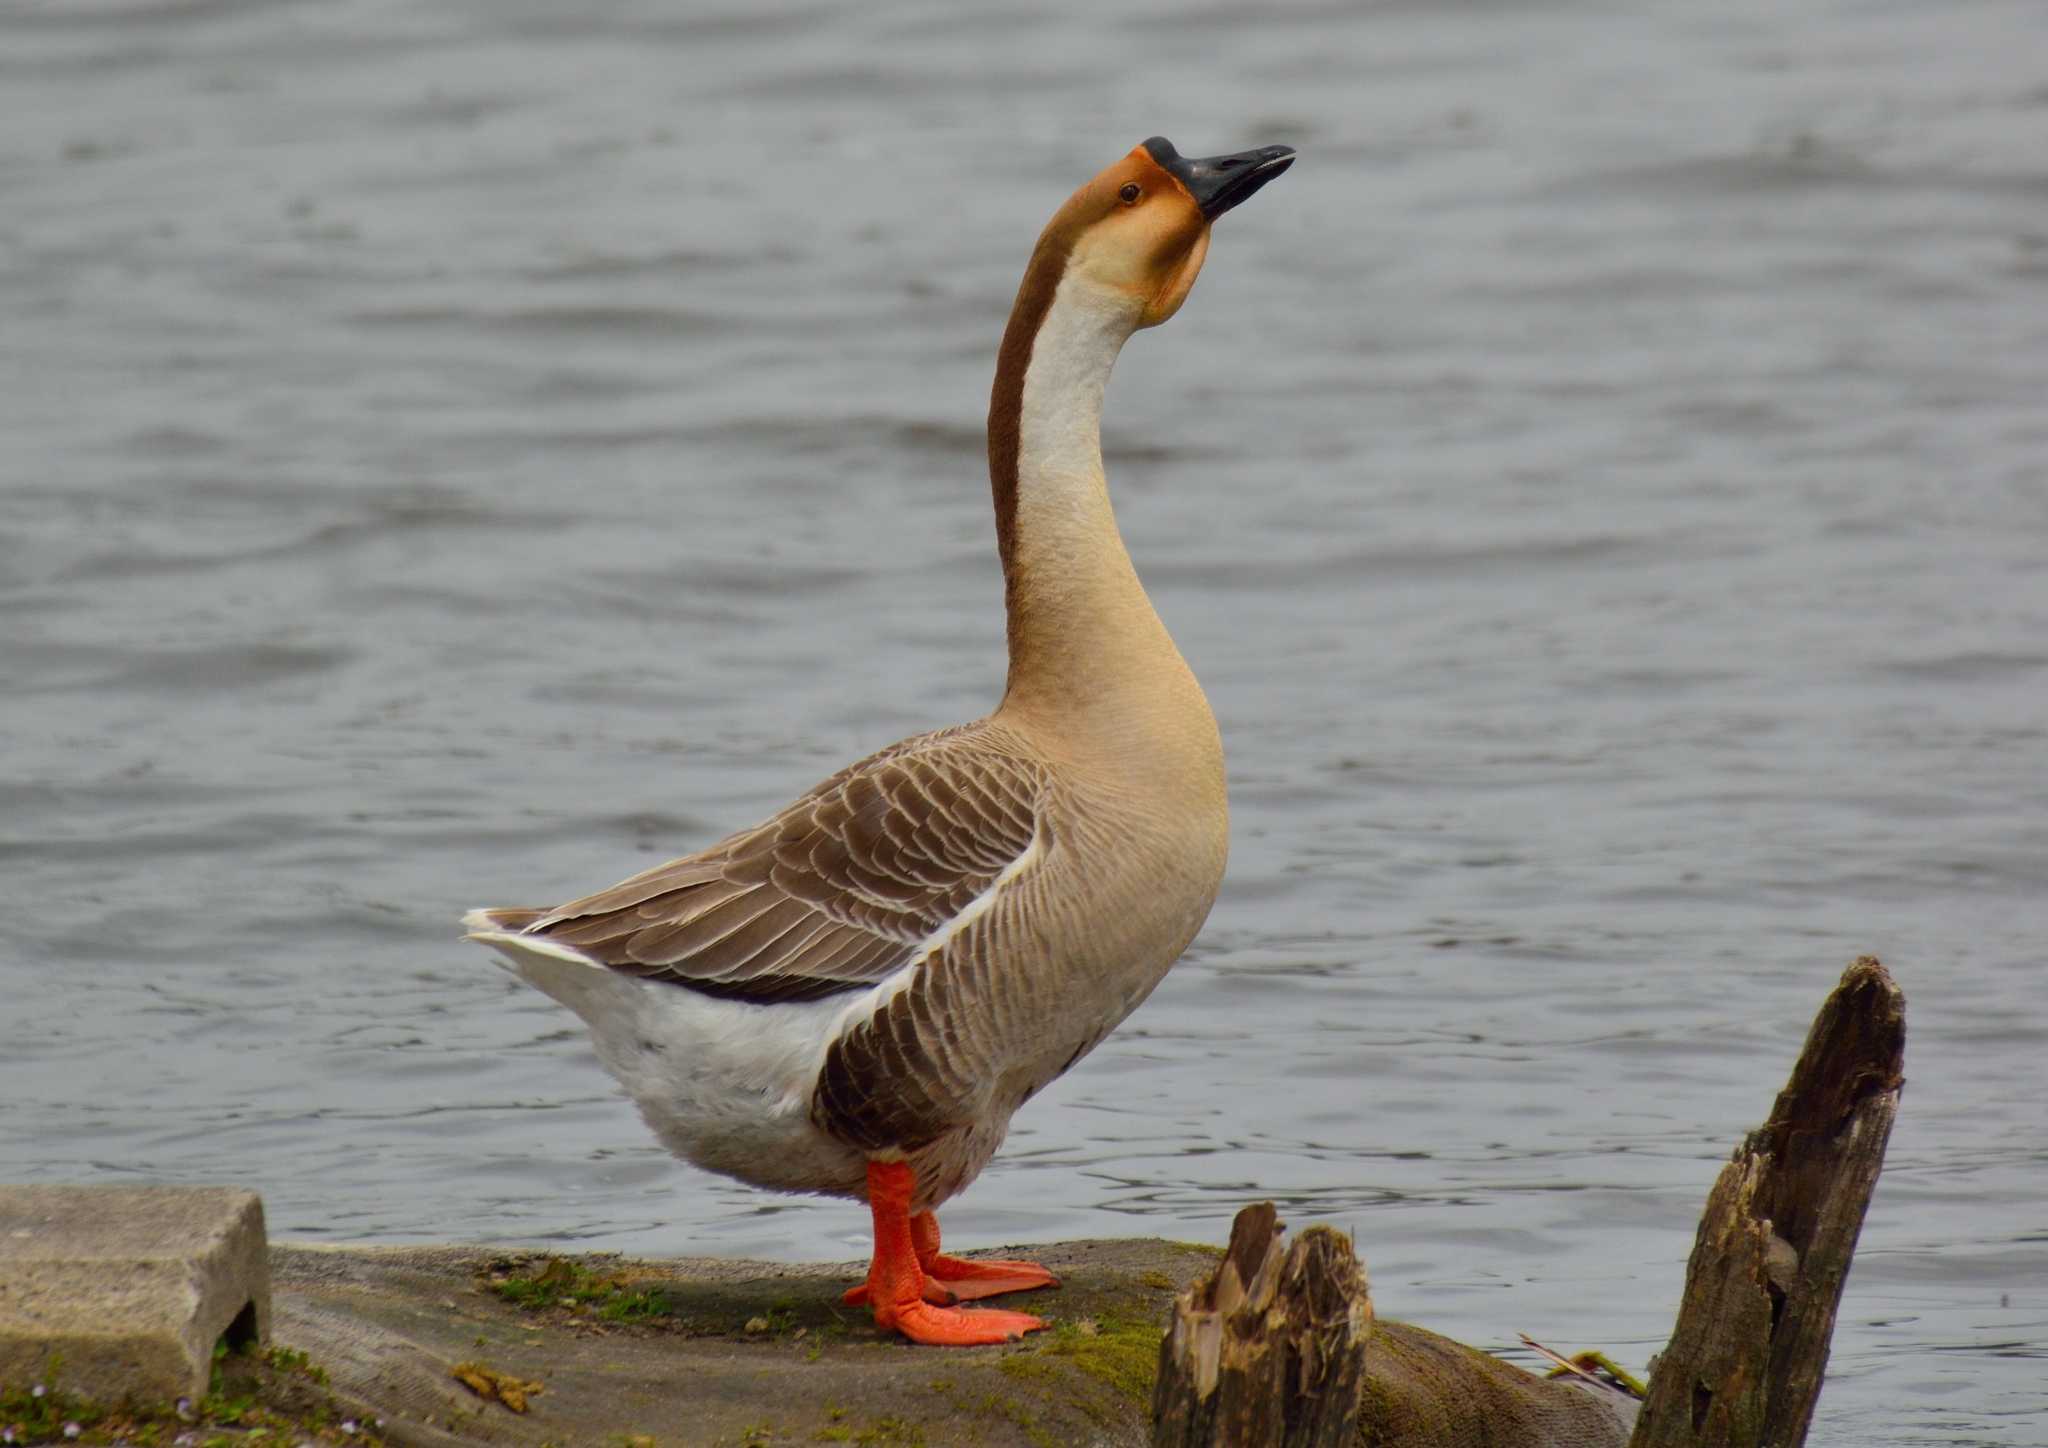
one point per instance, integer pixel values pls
(1081, 629)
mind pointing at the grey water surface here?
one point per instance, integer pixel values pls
(461, 453)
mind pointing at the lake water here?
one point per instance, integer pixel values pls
(459, 454)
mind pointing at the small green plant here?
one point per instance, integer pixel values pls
(293, 1361)
(571, 1286)
(47, 1413)
(642, 1306)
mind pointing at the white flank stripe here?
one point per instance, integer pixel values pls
(864, 1007)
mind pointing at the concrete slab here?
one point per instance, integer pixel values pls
(125, 1290)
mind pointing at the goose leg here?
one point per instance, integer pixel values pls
(897, 1282)
(948, 1280)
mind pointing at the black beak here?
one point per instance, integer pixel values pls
(1220, 182)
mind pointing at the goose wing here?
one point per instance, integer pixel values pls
(837, 892)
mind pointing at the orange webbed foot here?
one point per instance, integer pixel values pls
(969, 1280)
(955, 1326)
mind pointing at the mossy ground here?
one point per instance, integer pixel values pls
(884, 1432)
(562, 1283)
(269, 1395)
(598, 1289)
(1102, 1367)
(732, 1354)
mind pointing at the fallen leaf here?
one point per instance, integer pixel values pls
(495, 1387)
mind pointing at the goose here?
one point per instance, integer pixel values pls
(855, 996)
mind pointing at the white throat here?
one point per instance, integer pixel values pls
(1083, 634)
(1060, 426)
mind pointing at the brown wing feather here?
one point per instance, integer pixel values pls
(833, 894)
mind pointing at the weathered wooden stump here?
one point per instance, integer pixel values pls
(1279, 1349)
(1745, 1362)
(1269, 1350)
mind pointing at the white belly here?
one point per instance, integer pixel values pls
(725, 1084)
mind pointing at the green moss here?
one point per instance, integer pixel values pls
(1377, 1410)
(1031, 1368)
(887, 1432)
(1125, 1355)
(1099, 1369)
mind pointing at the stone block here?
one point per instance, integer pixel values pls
(126, 1289)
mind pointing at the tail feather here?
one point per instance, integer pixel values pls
(506, 917)
(588, 987)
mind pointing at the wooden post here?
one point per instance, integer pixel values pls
(1269, 1350)
(1744, 1366)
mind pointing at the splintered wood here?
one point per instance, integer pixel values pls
(1269, 1350)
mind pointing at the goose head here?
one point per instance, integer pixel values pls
(1138, 232)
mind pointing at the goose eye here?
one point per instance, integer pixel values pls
(1129, 194)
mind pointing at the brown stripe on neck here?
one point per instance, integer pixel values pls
(1006, 403)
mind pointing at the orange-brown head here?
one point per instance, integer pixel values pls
(1141, 227)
